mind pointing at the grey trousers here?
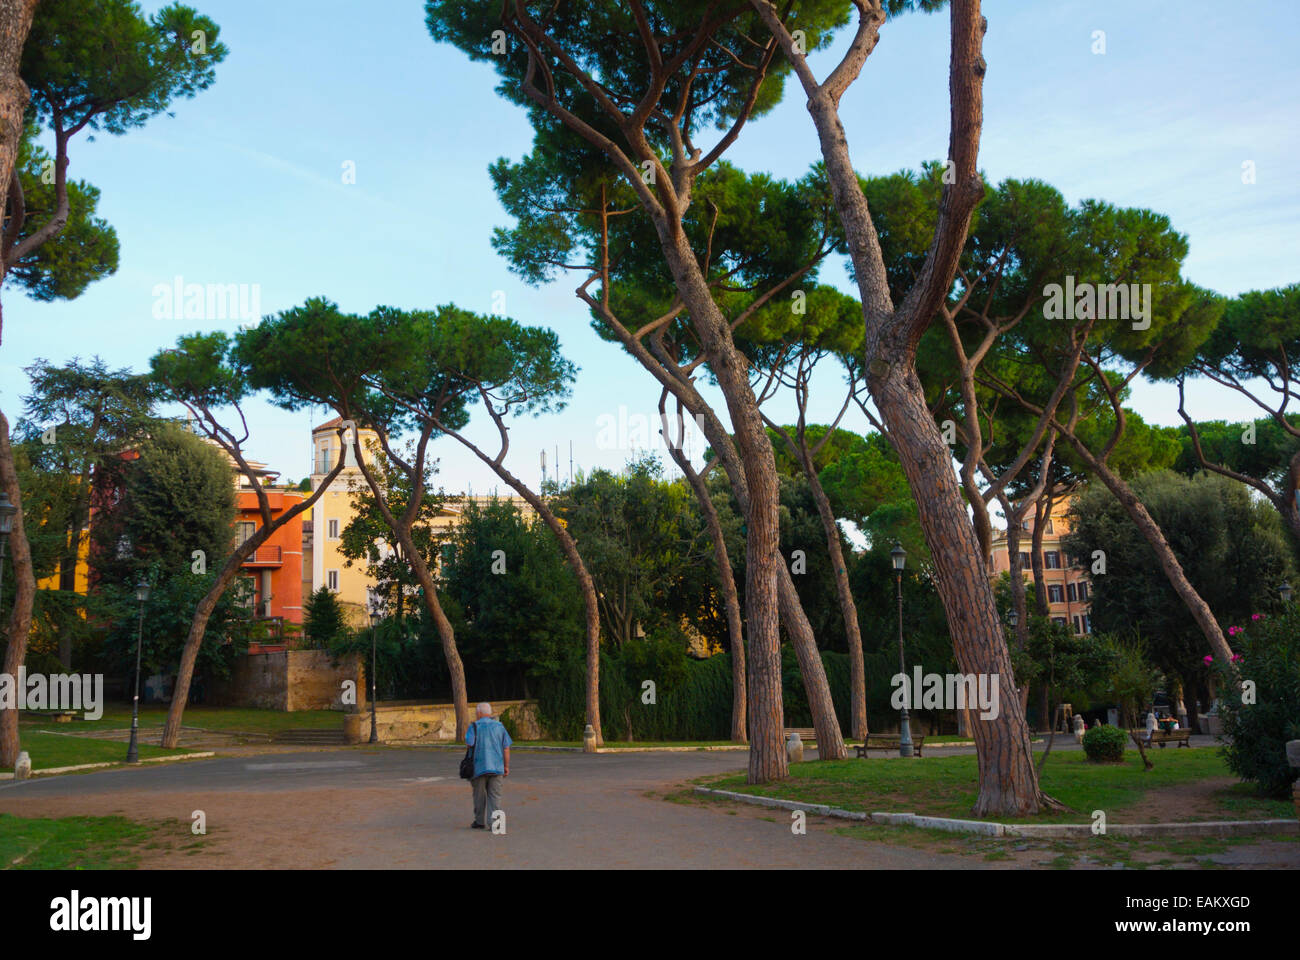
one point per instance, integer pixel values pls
(487, 797)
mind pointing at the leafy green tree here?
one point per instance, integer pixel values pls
(1231, 546)
(637, 533)
(515, 599)
(175, 496)
(77, 416)
(202, 374)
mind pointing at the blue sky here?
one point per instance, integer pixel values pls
(244, 184)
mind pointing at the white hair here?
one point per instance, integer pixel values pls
(485, 709)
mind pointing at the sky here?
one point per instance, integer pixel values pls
(245, 184)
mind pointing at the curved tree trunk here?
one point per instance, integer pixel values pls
(1042, 511)
(20, 617)
(1008, 783)
(585, 585)
(726, 580)
(1151, 532)
(455, 666)
(767, 759)
(203, 611)
(848, 609)
(830, 741)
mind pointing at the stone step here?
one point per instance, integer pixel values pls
(330, 737)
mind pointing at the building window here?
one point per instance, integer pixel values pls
(1049, 528)
(1024, 524)
(1060, 621)
(1055, 594)
(324, 459)
(1083, 593)
(1070, 591)
(244, 533)
(1078, 625)
(1087, 624)
(1052, 560)
(332, 580)
(332, 530)
(1026, 561)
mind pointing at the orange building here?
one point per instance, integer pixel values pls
(1066, 580)
(275, 567)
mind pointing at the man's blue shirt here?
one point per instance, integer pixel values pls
(489, 747)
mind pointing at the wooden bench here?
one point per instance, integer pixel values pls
(806, 734)
(887, 741)
(1159, 737)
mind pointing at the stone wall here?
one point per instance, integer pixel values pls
(289, 680)
(434, 722)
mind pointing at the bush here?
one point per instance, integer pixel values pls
(1104, 744)
(1256, 733)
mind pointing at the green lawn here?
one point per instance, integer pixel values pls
(628, 744)
(50, 750)
(946, 786)
(224, 719)
(85, 843)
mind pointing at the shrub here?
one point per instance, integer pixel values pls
(1256, 733)
(1104, 744)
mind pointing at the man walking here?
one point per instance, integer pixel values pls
(491, 745)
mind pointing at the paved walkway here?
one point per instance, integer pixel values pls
(390, 808)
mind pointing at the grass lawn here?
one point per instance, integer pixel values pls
(225, 719)
(946, 786)
(49, 750)
(629, 744)
(86, 843)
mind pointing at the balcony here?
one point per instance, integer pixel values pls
(264, 557)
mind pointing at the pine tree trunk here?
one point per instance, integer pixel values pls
(15, 23)
(830, 741)
(726, 585)
(20, 617)
(1151, 532)
(848, 609)
(1042, 510)
(1008, 784)
(455, 666)
(767, 759)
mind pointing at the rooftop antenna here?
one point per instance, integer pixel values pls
(543, 466)
(570, 463)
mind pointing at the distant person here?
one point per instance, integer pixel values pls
(491, 745)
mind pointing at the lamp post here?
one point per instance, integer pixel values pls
(1285, 591)
(374, 722)
(133, 750)
(899, 556)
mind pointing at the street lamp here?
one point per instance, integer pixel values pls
(1285, 590)
(133, 750)
(899, 556)
(1013, 618)
(375, 608)
(7, 511)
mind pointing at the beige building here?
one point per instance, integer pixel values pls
(1066, 580)
(323, 561)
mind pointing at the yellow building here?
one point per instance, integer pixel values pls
(323, 560)
(1066, 580)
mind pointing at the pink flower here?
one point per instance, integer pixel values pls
(1257, 616)
(1236, 657)
(1209, 658)
(1233, 631)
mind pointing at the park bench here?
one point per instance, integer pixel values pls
(1159, 738)
(806, 734)
(886, 741)
(63, 716)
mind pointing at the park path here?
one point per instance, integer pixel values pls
(394, 809)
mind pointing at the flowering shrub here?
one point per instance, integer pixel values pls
(1256, 732)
